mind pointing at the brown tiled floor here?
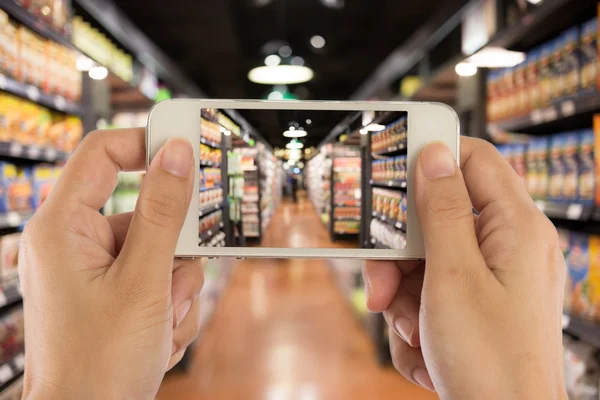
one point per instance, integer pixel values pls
(283, 331)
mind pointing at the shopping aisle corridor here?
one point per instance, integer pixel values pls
(283, 331)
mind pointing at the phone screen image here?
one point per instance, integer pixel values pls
(329, 179)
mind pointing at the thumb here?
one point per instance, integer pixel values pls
(160, 212)
(444, 209)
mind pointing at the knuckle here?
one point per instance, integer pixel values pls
(159, 210)
(448, 207)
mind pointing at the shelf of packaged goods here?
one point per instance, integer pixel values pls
(347, 203)
(205, 210)
(31, 152)
(34, 23)
(389, 184)
(207, 235)
(554, 113)
(206, 163)
(12, 369)
(350, 170)
(208, 189)
(10, 294)
(391, 151)
(14, 219)
(251, 234)
(36, 95)
(250, 168)
(214, 119)
(345, 233)
(346, 218)
(566, 210)
(247, 199)
(210, 143)
(390, 221)
(585, 330)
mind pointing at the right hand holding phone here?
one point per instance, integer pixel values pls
(482, 318)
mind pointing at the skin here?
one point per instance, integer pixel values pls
(108, 311)
(482, 318)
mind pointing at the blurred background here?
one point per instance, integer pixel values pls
(522, 74)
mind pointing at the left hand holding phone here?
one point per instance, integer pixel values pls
(107, 308)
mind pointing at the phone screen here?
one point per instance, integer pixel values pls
(303, 179)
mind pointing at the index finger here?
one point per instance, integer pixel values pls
(90, 175)
(488, 176)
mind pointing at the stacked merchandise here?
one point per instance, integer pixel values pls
(31, 59)
(319, 184)
(392, 138)
(346, 189)
(24, 189)
(54, 13)
(236, 185)
(388, 226)
(271, 175)
(12, 345)
(210, 132)
(392, 170)
(250, 207)
(562, 69)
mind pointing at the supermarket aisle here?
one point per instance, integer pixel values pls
(283, 331)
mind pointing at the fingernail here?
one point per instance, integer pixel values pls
(421, 376)
(182, 310)
(177, 157)
(404, 328)
(437, 161)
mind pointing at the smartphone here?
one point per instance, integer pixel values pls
(302, 179)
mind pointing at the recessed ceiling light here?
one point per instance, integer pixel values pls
(272, 61)
(98, 73)
(317, 41)
(333, 3)
(535, 1)
(292, 128)
(281, 75)
(297, 61)
(285, 51)
(496, 57)
(308, 121)
(465, 69)
(295, 134)
(294, 145)
(84, 63)
(227, 132)
(374, 127)
(275, 95)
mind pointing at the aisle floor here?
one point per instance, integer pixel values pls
(283, 331)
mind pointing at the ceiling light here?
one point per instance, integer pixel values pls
(308, 121)
(374, 127)
(465, 69)
(297, 61)
(292, 128)
(275, 95)
(535, 1)
(98, 73)
(84, 63)
(295, 134)
(317, 41)
(285, 51)
(364, 131)
(272, 61)
(496, 57)
(227, 133)
(333, 3)
(294, 145)
(281, 75)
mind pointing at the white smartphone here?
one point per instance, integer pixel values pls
(349, 197)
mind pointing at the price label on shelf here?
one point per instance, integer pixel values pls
(3, 82)
(399, 225)
(3, 299)
(34, 152)
(33, 93)
(537, 116)
(209, 233)
(383, 218)
(20, 361)
(574, 211)
(60, 103)
(6, 373)
(13, 219)
(550, 114)
(390, 183)
(51, 154)
(566, 321)
(16, 150)
(567, 108)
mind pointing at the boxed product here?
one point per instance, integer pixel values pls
(587, 173)
(537, 168)
(594, 278)
(589, 55)
(9, 257)
(558, 67)
(521, 97)
(33, 57)
(8, 176)
(533, 88)
(597, 155)
(564, 245)
(571, 165)
(545, 74)
(9, 47)
(557, 167)
(571, 64)
(43, 178)
(578, 261)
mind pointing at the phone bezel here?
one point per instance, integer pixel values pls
(427, 122)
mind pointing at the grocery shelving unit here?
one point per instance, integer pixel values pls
(345, 187)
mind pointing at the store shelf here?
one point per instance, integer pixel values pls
(345, 233)
(31, 153)
(389, 184)
(392, 151)
(208, 189)
(390, 221)
(554, 114)
(14, 219)
(11, 294)
(34, 23)
(210, 143)
(205, 163)
(566, 210)
(35, 95)
(208, 235)
(347, 219)
(204, 211)
(12, 369)
(587, 331)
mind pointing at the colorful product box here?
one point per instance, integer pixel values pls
(43, 179)
(597, 156)
(571, 56)
(571, 164)
(546, 74)
(587, 173)
(557, 168)
(533, 85)
(594, 278)
(537, 168)
(558, 67)
(578, 261)
(8, 176)
(589, 56)
(9, 257)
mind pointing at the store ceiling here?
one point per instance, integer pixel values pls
(217, 42)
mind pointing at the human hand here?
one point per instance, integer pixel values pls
(482, 319)
(107, 309)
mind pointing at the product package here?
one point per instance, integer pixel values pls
(537, 168)
(9, 258)
(8, 176)
(533, 87)
(9, 47)
(43, 179)
(597, 156)
(557, 168)
(557, 66)
(587, 173)
(594, 278)
(578, 261)
(571, 56)
(571, 164)
(589, 56)
(546, 74)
